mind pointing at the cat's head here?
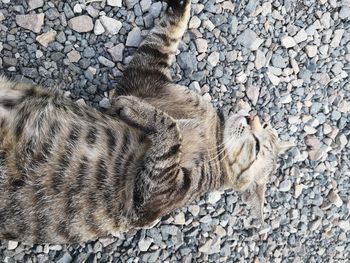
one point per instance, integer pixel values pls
(252, 149)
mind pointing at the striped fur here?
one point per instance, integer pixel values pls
(69, 173)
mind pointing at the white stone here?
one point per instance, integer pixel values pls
(344, 224)
(335, 198)
(202, 45)
(214, 58)
(145, 243)
(274, 79)
(111, 25)
(300, 36)
(241, 77)
(311, 50)
(337, 36)
(12, 245)
(117, 3)
(288, 41)
(260, 59)
(179, 219)
(98, 28)
(195, 22)
(77, 9)
(253, 93)
(214, 197)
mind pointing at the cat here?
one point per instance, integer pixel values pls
(70, 173)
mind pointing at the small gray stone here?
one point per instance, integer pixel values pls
(81, 24)
(77, 9)
(249, 39)
(92, 11)
(285, 186)
(104, 103)
(111, 25)
(89, 52)
(279, 62)
(34, 4)
(187, 60)
(116, 52)
(32, 22)
(106, 62)
(145, 5)
(253, 93)
(130, 3)
(73, 56)
(65, 258)
(30, 72)
(251, 6)
(155, 9)
(134, 37)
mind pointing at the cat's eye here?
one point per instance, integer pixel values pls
(265, 125)
(257, 146)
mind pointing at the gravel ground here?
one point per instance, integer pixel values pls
(288, 60)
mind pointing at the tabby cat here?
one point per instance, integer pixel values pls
(70, 173)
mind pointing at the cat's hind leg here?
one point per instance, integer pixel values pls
(148, 71)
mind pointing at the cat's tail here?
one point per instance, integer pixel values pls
(158, 49)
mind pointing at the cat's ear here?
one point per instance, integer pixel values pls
(254, 197)
(284, 146)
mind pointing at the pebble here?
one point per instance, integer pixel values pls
(111, 25)
(105, 103)
(213, 58)
(98, 28)
(337, 36)
(260, 59)
(253, 94)
(179, 219)
(311, 50)
(73, 56)
(77, 9)
(202, 45)
(144, 244)
(288, 42)
(130, 3)
(46, 38)
(34, 4)
(81, 24)
(134, 38)
(106, 62)
(116, 52)
(32, 22)
(249, 39)
(285, 186)
(117, 3)
(11, 245)
(335, 198)
(274, 79)
(214, 197)
(301, 36)
(195, 22)
(65, 258)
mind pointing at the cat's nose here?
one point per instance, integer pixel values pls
(255, 123)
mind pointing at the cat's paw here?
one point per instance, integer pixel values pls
(134, 112)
